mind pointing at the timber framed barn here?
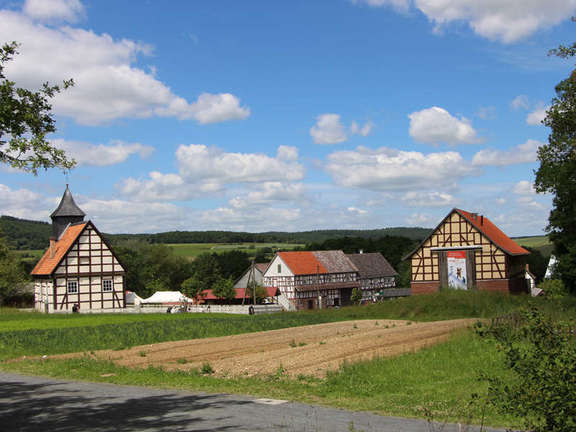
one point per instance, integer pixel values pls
(467, 251)
(374, 273)
(79, 271)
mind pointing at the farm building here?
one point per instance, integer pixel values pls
(259, 269)
(79, 271)
(241, 295)
(374, 273)
(310, 280)
(467, 251)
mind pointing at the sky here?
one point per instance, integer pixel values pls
(258, 115)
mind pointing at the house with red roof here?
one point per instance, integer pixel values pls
(312, 279)
(467, 251)
(79, 271)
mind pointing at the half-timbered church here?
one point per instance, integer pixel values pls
(467, 251)
(79, 271)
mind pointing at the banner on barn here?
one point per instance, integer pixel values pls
(457, 269)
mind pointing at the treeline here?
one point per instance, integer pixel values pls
(22, 234)
(393, 248)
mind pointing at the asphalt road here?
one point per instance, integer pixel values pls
(42, 404)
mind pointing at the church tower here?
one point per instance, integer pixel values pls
(66, 213)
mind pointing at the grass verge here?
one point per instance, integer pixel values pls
(441, 379)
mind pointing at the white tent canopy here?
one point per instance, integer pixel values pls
(166, 297)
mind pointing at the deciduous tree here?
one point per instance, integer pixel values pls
(25, 120)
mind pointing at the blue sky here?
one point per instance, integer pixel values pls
(290, 115)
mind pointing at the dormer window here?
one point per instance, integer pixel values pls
(279, 268)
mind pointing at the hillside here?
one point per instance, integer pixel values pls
(23, 234)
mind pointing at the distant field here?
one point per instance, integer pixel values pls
(535, 241)
(32, 255)
(195, 249)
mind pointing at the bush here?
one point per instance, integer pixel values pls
(542, 358)
(553, 288)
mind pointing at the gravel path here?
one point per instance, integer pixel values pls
(40, 404)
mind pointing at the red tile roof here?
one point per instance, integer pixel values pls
(302, 263)
(47, 264)
(240, 293)
(486, 227)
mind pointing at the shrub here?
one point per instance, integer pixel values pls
(553, 288)
(206, 369)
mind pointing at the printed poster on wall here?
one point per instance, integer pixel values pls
(457, 269)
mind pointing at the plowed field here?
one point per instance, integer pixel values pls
(308, 350)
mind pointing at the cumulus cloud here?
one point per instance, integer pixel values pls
(237, 219)
(70, 11)
(23, 202)
(506, 21)
(428, 199)
(524, 187)
(99, 154)
(535, 117)
(520, 102)
(387, 169)
(267, 193)
(434, 125)
(523, 153)
(419, 219)
(109, 85)
(329, 129)
(207, 170)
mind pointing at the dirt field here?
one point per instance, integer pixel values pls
(308, 350)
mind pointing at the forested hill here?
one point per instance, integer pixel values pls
(26, 234)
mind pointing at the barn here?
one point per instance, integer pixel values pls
(467, 251)
(374, 273)
(79, 271)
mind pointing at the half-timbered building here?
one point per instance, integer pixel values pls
(310, 280)
(79, 271)
(374, 273)
(467, 251)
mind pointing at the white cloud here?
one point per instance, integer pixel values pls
(536, 116)
(420, 220)
(269, 192)
(23, 203)
(239, 219)
(520, 102)
(207, 170)
(387, 169)
(355, 211)
(502, 20)
(55, 10)
(434, 125)
(428, 199)
(202, 163)
(524, 187)
(328, 130)
(356, 129)
(109, 85)
(529, 202)
(102, 155)
(523, 153)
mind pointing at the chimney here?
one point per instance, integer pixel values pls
(52, 247)
(482, 220)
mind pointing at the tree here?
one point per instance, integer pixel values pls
(206, 269)
(542, 360)
(557, 172)
(193, 288)
(25, 120)
(223, 288)
(356, 296)
(11, 275)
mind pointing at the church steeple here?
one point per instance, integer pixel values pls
(66, 213)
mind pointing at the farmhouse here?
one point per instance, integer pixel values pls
(257, 274)
(374, 273)
(310, 280)
(467, 251)
(79, 271)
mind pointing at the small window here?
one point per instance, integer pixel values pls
(72, 287)
(107, 285)
(279, 268)
(84, 260)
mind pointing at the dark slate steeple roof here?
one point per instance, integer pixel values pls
(67, 206)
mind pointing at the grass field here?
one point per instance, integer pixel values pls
(195, 249)
(441, 378)
(533, 241)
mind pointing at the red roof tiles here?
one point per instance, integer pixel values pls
(302, 263)
(47, 264)
(486, 227)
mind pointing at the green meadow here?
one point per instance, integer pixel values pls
(436, 382)
(195, 249)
